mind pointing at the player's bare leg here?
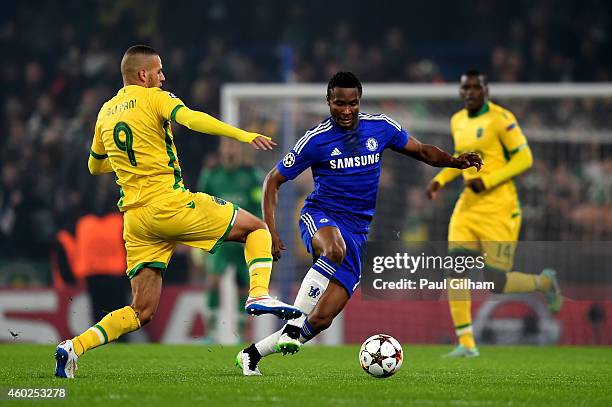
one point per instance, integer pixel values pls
(329, 306)
(285, 340)
(330, 248)
(327, 245)
(146, 291)
(254, 233)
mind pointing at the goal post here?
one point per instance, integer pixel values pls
(565, 196)
(233, 94)
(567, 126)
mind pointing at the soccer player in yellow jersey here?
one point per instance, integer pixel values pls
(487, 216)
(133, 139)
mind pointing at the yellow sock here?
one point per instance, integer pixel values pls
(460, 304)
(258, 255)
(518, 282)
(543, 283)
(111, 327)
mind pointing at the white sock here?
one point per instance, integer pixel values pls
(266, 346)
(313, 286)
(297, 321)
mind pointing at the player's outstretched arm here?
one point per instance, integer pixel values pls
(445, 176)
(436, 157)
(99, 164)
(269, 202)
(204, 123)
(520, 161)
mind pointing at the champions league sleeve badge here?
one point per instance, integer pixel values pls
(289, 160)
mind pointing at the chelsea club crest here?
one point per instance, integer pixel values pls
(371, 144)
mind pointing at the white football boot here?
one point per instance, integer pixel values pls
(268, 305)
(243, 360)
(65, 360)
(287, 345)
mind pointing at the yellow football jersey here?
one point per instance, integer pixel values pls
(133, 131)
(495, 134)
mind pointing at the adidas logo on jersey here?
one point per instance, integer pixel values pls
(336, 152)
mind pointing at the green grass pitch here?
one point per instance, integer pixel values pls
(162, 375)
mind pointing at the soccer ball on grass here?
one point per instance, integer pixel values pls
(381, 355)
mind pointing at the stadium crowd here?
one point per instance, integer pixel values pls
(61, 63)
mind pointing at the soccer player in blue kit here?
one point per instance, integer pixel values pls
(344, 152)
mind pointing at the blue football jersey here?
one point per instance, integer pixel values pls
(345, 166)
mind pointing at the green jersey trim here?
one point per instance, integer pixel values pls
(97, 156)
(227, 230)
(516, 150)
(177, 171)
(150, 264)
(484, 109)
(173, 114)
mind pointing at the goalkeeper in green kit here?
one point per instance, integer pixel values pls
(234, 180)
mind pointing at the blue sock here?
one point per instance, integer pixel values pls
(307, 332)
(325, 266)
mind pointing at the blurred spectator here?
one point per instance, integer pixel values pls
(561, 197)
(61, 65)
(11, 199)
(593, 216)
(395, 54)
(94, 254)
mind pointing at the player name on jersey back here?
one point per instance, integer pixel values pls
(130, 104)
(133, 132)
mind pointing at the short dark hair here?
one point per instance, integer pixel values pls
(140, 50)
(477, 73)
(344, 80)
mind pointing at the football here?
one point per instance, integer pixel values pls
(381, 355)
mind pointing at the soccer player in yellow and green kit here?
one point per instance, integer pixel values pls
(133, 139)
(487, 216)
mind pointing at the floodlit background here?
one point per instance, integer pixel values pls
(549, 63)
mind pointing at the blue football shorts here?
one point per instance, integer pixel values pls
(348, 273)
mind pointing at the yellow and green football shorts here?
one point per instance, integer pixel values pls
(195, 219)
(493, 235)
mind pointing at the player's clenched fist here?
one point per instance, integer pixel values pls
(467, 160)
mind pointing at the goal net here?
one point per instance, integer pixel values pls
(566, 195)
